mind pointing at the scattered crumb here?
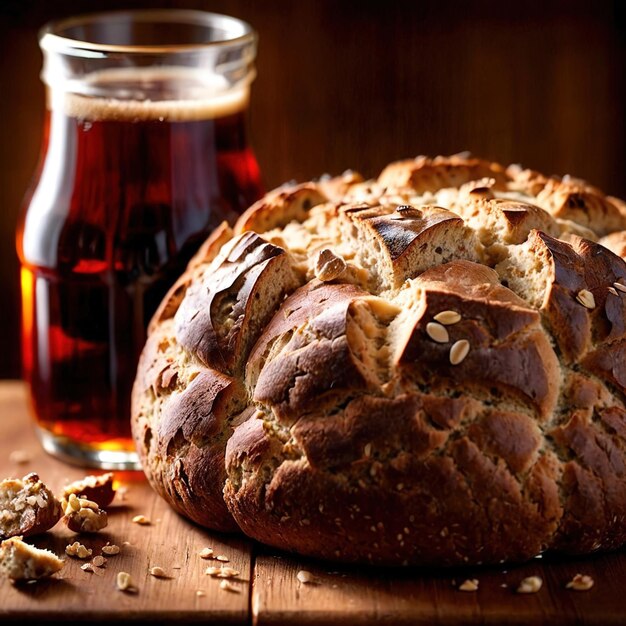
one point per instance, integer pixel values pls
(20, 457)
(158, 572)
(531, 584)
(469, 585)
(222, 558)
(78, 550)
(206, 553)
(87, 567)
(580, 582)
(227, 572)
(110, 549)
(212, 571)
(98, 561)
(122, 493)
(141, 519)
(200, 593)
(124, 582)
(305, 577)
(126, 543)
(226, 585)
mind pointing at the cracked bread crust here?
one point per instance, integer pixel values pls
(452, 392)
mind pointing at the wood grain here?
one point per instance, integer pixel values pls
(169, 542)
(359, 597)
(270, 593)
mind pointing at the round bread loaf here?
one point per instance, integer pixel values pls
(426, 368)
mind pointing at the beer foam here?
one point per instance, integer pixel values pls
(107, 96)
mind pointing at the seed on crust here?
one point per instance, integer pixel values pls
(620, 287)
(437, 332)
(142, 520)
(580, 582)
(447, 318)
(471, 584)
(530, 584)
(459, 351)
(585, 297)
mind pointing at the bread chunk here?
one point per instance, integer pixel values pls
(20, 561)
(27, 507)
(425, 368)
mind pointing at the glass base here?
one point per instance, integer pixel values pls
(85, 455)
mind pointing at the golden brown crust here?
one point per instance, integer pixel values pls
(426, 368)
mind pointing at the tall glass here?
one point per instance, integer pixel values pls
(145, 151)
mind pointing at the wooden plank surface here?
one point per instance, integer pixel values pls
(270, 592)
(169, 542)
(356, 596)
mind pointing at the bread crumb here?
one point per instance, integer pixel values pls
(305, 577)
(200, 593)
(98, 561)
(78, 550)
(141, 520)
(20, 457)
(222, 558)
(469, 585)
(124, 582)
(227, 572)
(87, 567)
(531, 584)
(158, 572)
(580, 582)
(206, 553)
(110, 549)
(226, 585)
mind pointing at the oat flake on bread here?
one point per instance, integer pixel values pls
(314, 411)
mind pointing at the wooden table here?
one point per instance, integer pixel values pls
(268, 591)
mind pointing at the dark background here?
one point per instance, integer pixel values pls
(357, 84)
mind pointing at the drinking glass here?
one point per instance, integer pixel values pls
(145, 151)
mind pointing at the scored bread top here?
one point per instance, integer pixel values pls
(429, 367)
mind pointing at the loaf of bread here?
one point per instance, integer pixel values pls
(425, 368)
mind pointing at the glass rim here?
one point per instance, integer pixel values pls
(51, 41)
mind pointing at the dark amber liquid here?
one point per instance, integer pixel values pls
(119, 209)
